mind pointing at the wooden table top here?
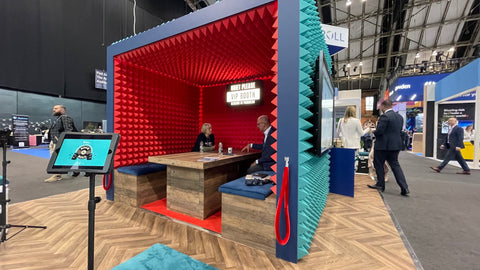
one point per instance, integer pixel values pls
(191, 159)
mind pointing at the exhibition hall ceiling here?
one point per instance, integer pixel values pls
(391, 38)
(387, 39)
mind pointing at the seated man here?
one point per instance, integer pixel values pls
(265, 161)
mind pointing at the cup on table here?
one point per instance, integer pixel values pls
(230, 150)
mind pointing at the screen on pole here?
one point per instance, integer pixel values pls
(83, 152)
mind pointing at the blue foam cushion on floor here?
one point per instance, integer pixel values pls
(162, 257)
(1, 181)
(142, 169)
(238, 187)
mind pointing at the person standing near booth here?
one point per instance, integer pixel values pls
(453, 144)
(388, 143)
(265, 161)
(63, 123)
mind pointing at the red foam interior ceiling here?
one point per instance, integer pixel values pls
(236, 48)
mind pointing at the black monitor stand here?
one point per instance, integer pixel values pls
(91, 221)
(3, 196)
(89, 153)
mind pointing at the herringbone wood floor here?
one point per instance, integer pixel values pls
(354, 233)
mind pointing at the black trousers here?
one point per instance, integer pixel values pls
(379, 158)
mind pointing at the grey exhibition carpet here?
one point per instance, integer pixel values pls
(440, 219)
(27, 173)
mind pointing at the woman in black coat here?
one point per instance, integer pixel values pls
(206, 137)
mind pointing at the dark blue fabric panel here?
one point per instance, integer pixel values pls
(238, 187)
(142, 169)
(342, 171)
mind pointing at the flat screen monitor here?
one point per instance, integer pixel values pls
(323, 104)
(84, 152)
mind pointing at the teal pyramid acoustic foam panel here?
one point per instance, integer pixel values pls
(313, 171)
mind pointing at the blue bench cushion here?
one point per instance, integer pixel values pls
(142, 169)
(238, 187)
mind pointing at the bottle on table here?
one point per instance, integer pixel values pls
(201, 147)
(220, 148)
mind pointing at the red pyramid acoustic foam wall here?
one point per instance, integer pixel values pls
(153, 114)
(164, 91)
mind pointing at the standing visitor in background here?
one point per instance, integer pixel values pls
(453, 144)
(388, 143)
(469, 134)
(63, 123)
(350, 129)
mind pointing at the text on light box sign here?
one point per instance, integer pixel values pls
(248, 93)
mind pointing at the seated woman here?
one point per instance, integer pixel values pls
(205, 138)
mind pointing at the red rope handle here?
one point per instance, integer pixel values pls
(283, 199)
(109, 181)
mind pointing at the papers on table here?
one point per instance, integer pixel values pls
(208, 159)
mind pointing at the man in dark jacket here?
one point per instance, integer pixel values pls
(388, 144)
(265, 161)
(453, 144)
(63, 123)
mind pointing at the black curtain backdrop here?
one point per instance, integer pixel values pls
(54, 46)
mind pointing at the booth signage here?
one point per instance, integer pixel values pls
(247, 93)
(336, 36)
(20, 130)
(100, 79)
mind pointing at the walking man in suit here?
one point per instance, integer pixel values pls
(265, 161)
(453, 144)
(388, 144)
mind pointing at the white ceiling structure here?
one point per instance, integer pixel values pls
(391, 38)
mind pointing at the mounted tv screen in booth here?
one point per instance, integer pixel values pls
(323, 101)
(84, 152)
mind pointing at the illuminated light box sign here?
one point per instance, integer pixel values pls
(247, 93)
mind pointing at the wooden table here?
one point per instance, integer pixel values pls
(192, 185)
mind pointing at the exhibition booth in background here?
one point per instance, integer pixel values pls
(454, 96)
(163, 84)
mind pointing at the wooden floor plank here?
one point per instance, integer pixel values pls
(354, 233)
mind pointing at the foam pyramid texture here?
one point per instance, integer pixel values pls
(163, 90)
(313, 171)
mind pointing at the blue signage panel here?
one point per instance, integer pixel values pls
(411, 88)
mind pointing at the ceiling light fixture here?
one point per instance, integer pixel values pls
(434, 53)
(349, 2)
(417, 55)
(360, 64)
(398, 98)
(451, 49)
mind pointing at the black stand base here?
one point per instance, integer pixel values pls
(3, 198)
(4, 229)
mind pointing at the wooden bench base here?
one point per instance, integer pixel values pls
(140, 190)
(249, 221)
